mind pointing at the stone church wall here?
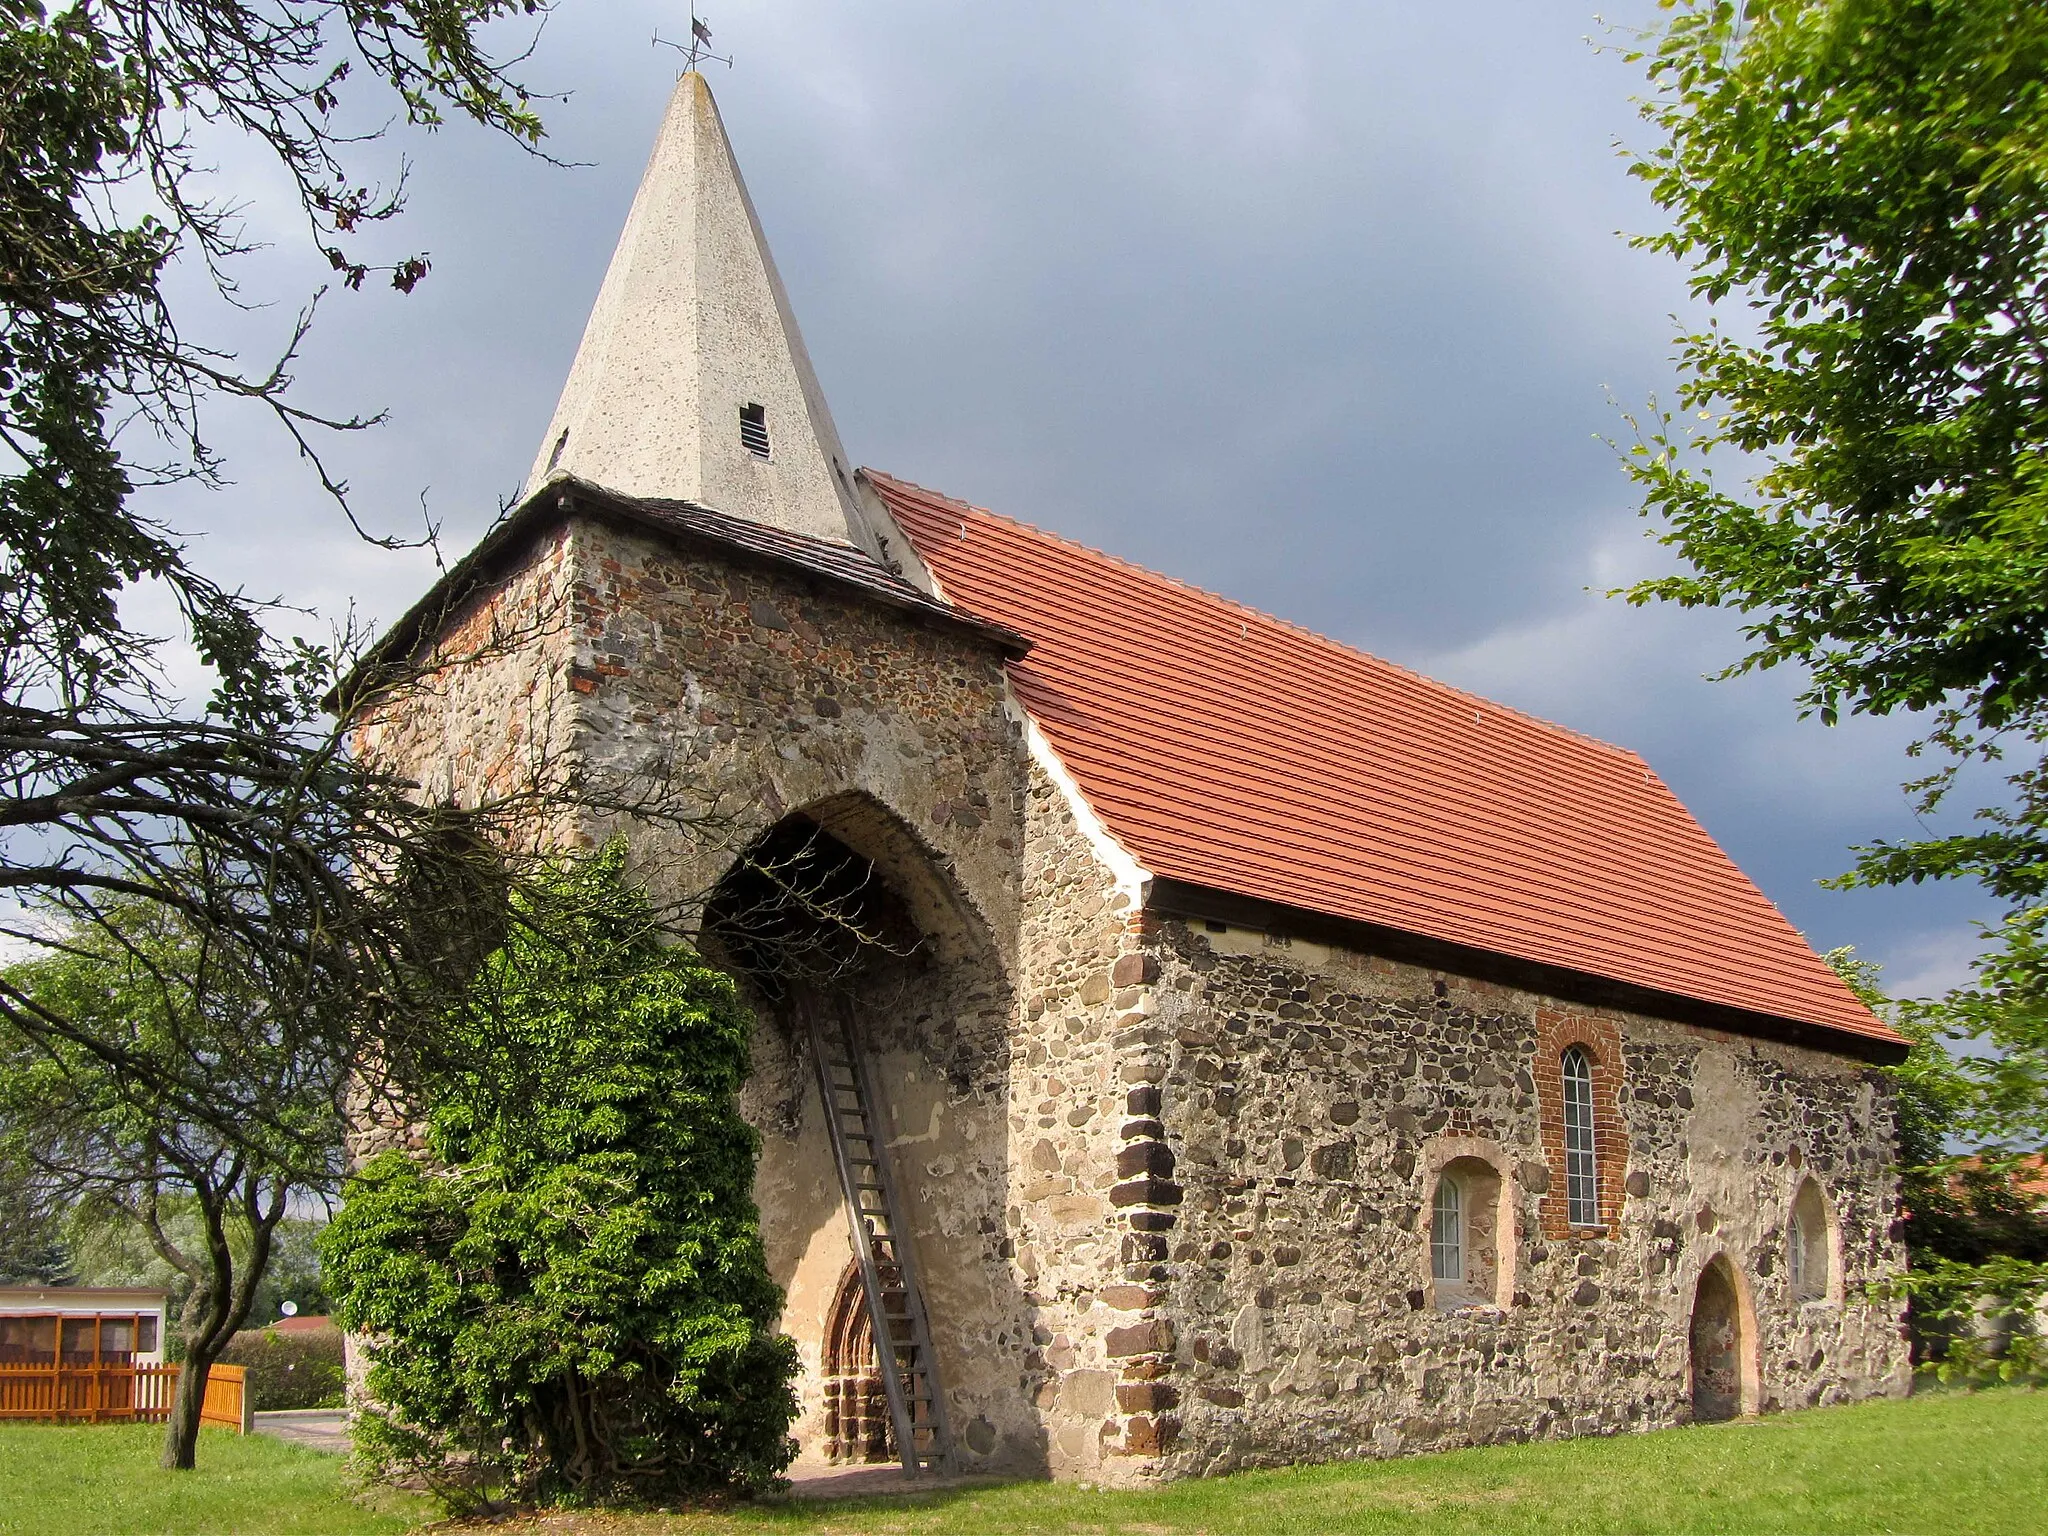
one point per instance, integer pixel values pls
(1082, 1050)
(1311, 1099)
(768, 693)
(1008, 1061)
(492, 712)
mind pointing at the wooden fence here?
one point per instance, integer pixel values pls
(99, 1394)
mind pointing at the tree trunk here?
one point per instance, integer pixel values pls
(181, 1435)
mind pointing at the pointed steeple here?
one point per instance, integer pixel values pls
(691, 381)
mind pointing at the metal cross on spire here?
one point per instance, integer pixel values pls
(698, 48)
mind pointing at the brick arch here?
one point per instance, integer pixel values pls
(1600, 1038)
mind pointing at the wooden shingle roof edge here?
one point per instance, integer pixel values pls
(843, 567)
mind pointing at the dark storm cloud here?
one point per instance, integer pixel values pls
(1321, 306)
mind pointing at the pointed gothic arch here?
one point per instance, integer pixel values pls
(857, 1427)
(867, 963)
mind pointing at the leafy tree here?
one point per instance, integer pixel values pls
(1976, 1235)
(1958, 1209)
(101, 191)
(1871, 178)
(566, 1296)
(117, 1141)
(32, 1248)
(107, 1249)
(242, 815)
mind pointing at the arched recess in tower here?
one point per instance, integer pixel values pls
(840, 917)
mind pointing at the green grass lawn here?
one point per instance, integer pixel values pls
(103, 1480)
(1945, 1464)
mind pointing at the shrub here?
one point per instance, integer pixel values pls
(568, 1296)
(300, 1369)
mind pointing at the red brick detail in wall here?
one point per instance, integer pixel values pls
(1601, 1040)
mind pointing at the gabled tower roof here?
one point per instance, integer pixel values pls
(691, 382)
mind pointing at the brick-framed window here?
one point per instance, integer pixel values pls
(1578, 1070)
(1581, 1153)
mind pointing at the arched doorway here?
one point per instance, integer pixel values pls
(851, 940)
(1723, 1346)
(857, 1427)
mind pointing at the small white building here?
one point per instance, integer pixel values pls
(81, 1326)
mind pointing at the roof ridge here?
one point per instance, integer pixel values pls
(1275, 620)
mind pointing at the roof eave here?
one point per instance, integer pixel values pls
(1179, 898)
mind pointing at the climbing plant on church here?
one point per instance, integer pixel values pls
(1859, 461)
(564, 1292)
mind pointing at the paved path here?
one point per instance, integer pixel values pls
(811, 1481)
(319, 1429)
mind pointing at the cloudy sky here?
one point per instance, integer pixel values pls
(1322, 306)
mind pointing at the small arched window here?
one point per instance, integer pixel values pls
(1470, 1237)
(1447, 1231)
(1581, 1171)
(1809, 1255)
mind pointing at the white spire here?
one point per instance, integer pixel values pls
(691, 381)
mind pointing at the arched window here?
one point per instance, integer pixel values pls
(1471, 1236)
(1447, 1231)
(1581, 1175)
(1809, 1255)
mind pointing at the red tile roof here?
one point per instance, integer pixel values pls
(1230, 750)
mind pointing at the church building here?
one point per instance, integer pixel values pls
(1248, 1051)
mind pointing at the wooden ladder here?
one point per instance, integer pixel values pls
(881, 1239)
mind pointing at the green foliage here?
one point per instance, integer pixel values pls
(32, 1247)
(1976, 1236)
(305, 1368)
(174, 1114)
(1977, 1325)
(568, 1298)
(107, 1249)
(99, 193)
(1871, 177)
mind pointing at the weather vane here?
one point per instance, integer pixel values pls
(698, 48)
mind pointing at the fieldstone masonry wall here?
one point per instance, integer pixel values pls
(1311, 1095)
(1085, 1233)
(1170, 1183)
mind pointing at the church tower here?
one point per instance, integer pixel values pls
(691, 382)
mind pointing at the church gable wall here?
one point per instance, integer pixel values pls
(1311, 1099)
(762, 691)
(1081, 1239)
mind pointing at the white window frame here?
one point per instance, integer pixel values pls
(1447, 1247)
